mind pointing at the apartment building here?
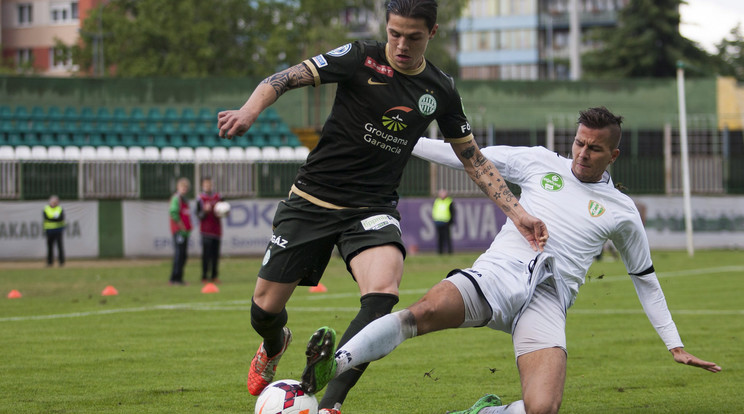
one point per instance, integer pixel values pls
(30, 29)
(526, 39)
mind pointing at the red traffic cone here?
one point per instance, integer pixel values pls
(14, 294)
(109, 291)
(210, 288)
(318, 289)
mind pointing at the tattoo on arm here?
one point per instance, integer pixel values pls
(468, 152)
(292, 78)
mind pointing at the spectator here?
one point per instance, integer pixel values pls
(210, 229)
(54, 228)
(180, 224)
(443, 213)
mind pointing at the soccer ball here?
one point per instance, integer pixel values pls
(286, 397)
(221, 208)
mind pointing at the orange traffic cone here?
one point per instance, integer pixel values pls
(109, 291)
(318, 289)
(210, 288)
(14, 294)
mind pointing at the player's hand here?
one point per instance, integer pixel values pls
(534, 230)
(234, 123)
(208, 207)
(684, 357)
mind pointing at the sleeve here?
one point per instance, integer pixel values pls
(338, 64)
(654, 304)
(173, 210)
(453, 123)
(438, 152)
(453, 213)
(200, 209)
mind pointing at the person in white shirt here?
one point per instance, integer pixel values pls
(512, 288)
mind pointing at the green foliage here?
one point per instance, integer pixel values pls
(646, 43)
(731, 54)
(161, 349)
(226, 38)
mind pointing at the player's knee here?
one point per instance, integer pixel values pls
(265, 322)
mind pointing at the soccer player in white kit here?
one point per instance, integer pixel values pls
(512, 289)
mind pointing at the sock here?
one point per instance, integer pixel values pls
(373, 306)
(269, 326)
(517, 407)
(376, 340)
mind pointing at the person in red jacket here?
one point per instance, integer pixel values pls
(180, 224)
(210, 228)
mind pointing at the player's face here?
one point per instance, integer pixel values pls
(207, 186)
(407, 41)
(592, 153)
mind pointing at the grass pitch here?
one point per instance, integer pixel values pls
(161, 349)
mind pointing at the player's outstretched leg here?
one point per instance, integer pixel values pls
(488, 400)
(321, 365)
(263, 368)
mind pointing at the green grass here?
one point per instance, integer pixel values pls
(161, 349)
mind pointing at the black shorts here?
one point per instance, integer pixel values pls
(305, 234)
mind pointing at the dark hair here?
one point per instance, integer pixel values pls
(418, 9)
(600, 118)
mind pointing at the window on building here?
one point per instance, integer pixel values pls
(25, 13)
(64, 11)
(59, 59)
(23, 57)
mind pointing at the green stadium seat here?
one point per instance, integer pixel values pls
(87, 115)
(103, 115)
(258, 140)
(120, 115)
(54, 114)
(47, 138)
(208, 115)
(20, 114)
(171, 115)
(112, 139)
(63, 139)
(154, 115)
(188, 115)
(96, 139)
(136, 115)
(38, 114)
(79, 139)
(70, 114)
(13, 138)
(6, 114)
(30, 138)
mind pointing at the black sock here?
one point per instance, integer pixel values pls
(269, 326)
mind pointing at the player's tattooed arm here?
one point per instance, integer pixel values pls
(489, 180)
(295, 77)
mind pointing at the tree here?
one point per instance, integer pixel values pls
(646, 43)
(731, 54)
(194, 38)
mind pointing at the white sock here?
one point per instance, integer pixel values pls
(517, 407)
(376, 340)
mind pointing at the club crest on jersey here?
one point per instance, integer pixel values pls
(393, 120)
(340, 51)
(552, 182)
(595, 209)
(427, 104)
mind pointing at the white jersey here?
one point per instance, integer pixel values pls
(580, 218)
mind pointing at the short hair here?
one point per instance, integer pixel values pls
(206, 178)
(600, 118)
(417, 9)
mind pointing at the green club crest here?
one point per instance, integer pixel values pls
(552, 182)
(427, 104)
(595, 209)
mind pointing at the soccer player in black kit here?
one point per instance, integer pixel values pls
(345, 193)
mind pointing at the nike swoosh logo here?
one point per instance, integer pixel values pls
(371, 82)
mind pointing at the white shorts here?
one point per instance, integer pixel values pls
(541, 325)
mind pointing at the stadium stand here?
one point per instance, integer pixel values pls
(39, 152)
(7, 152)
(219, 153)
(80, 128)
(72, 153)
(169, 153)
(55, 152)
(104, 153)
(151, 153)
(202, 154)
(135, 153)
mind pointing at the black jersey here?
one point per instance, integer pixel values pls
(379, 113)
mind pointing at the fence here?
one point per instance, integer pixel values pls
(649, 164)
